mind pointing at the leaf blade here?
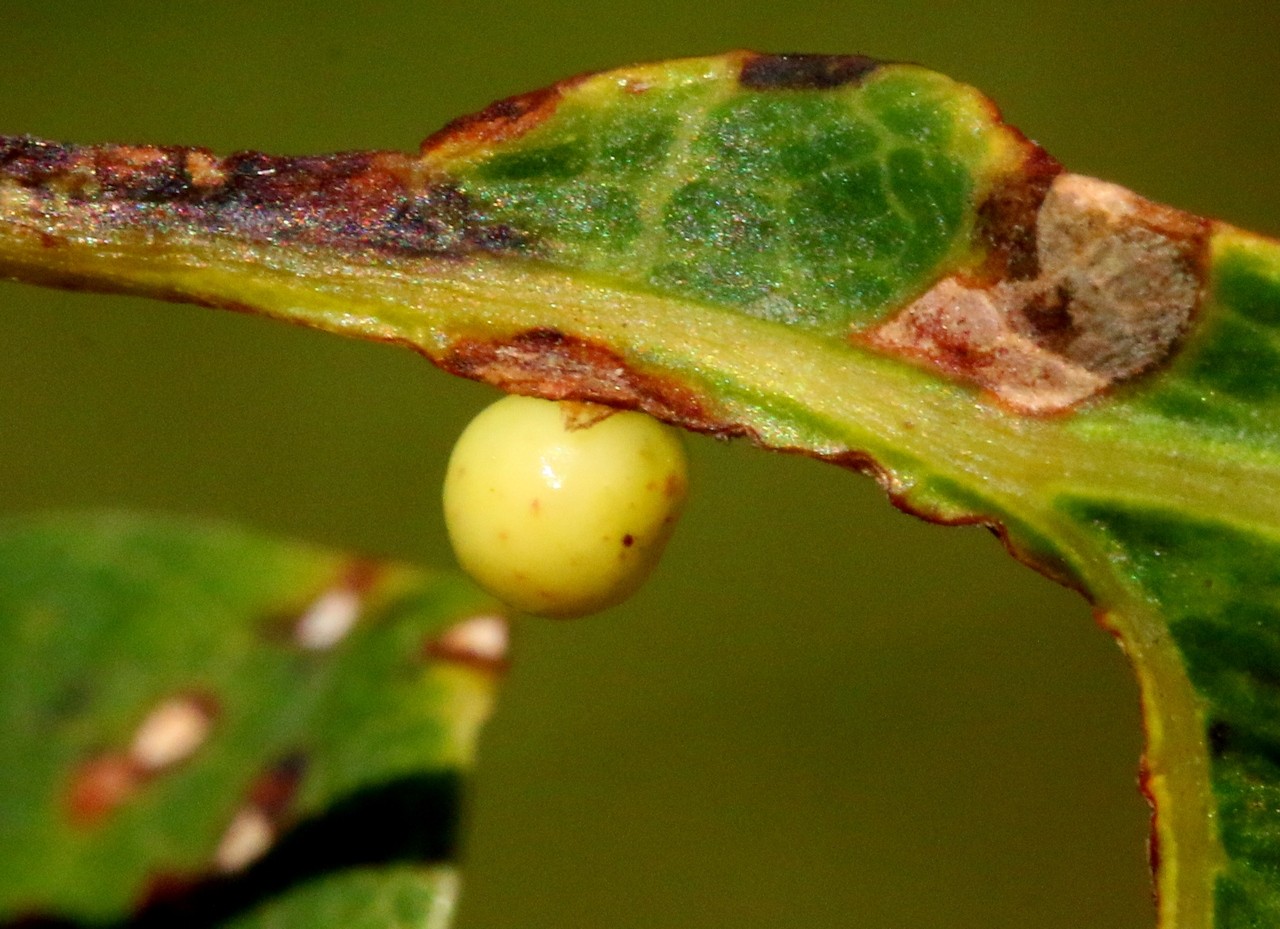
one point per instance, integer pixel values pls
(145, 630)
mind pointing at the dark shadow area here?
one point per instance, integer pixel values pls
(413, 819)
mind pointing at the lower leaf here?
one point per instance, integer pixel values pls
(197, 720)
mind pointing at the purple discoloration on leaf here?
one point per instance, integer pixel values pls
(378, 202)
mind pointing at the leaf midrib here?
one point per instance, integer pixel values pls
(839, 397)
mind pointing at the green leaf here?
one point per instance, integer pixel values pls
(196, 719)
(386, 898)
(854, 261)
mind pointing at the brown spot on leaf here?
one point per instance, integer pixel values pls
(142, 173)
(169, 888)
(1117, 282)
(1006, 220)
(32, 162)
(204, 169)
(963, 330)
(1131, 272)
(371, 201)
(804, 72)
(1048, 317)
(100, 785)
(273, 790)
(259, 822)
(169, 734)
(547, 363)
(1147, 790)
(501, 121)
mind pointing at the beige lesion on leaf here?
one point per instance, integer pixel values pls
(1117, 282)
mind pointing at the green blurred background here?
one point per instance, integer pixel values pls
(821, 712)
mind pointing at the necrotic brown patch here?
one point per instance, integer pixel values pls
(169, 734)
(143, 173)
(1006, 221)
(361, 202)
(99, 786)
(273, 791)
(1117, 281)
(501, 121)
(1127, 271)
(804, 72)
(965, 332)
(259, 821)
(30, 162)
(547, 363)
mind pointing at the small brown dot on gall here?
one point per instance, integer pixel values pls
(628, 540)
